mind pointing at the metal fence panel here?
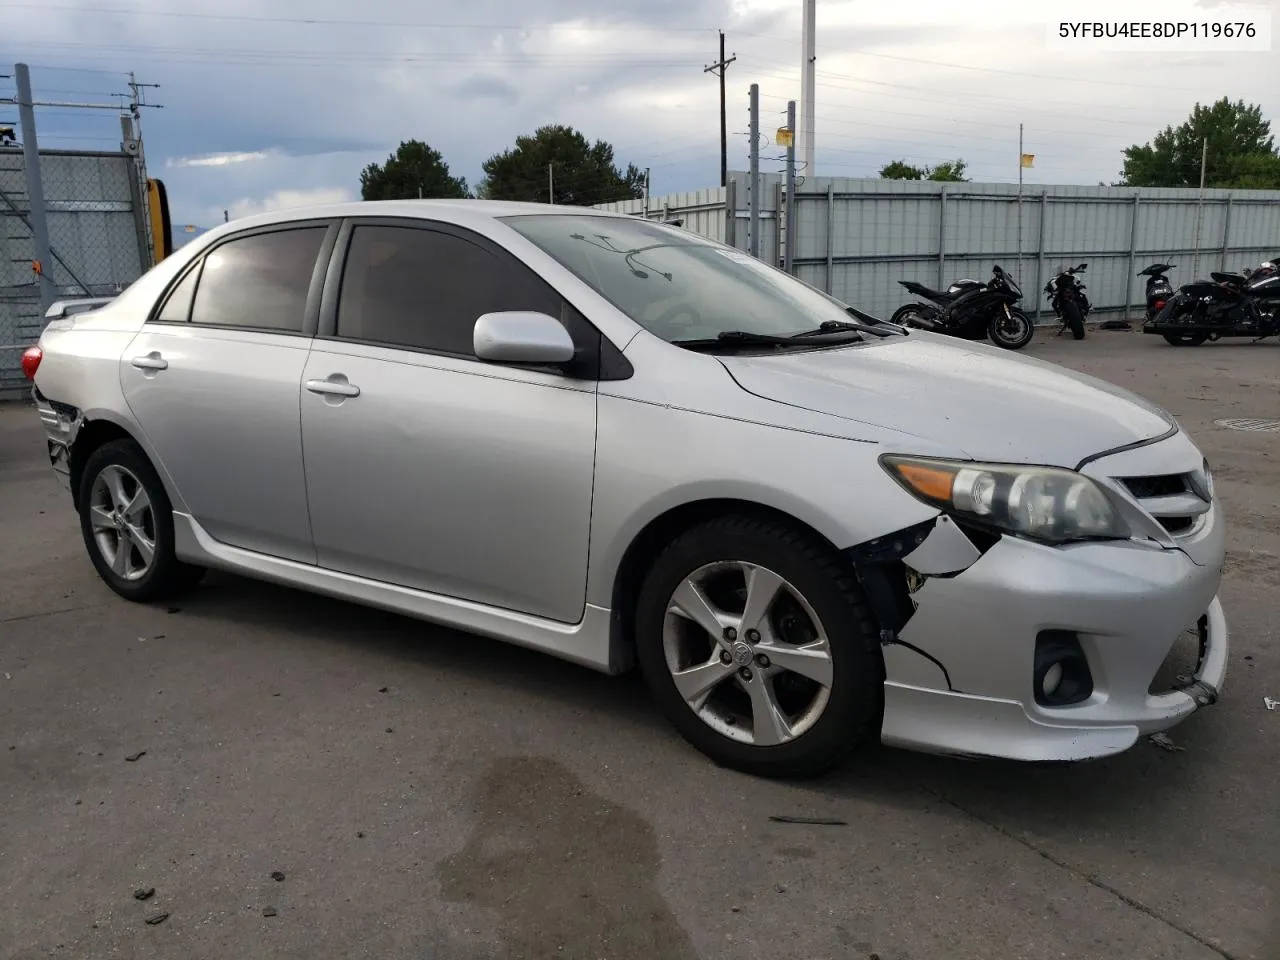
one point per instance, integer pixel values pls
(97, 237)
(703, 211)
(858, 238)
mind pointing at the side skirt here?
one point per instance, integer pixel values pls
(586, 642)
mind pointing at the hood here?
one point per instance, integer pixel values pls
(993, 405)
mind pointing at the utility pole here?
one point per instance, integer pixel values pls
(1020, 156)
(646, 193)
(43, 259)
(1204, 160)
(788, 255)
(551, 183)
(132, 123)
(719, 68)
(807, 84)
(753, 184)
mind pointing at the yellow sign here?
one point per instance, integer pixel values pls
(1028, 159)
(785, 137)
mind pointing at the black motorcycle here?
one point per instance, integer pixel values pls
(1069, 301)
(971, 310)
(1159, 289)
(1226, 305)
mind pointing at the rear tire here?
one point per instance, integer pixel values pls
(126, 520)
(787, 693)
(1071, 313)
(1185, 339)
(902, 313)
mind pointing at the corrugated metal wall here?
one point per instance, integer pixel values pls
(703, 211)
(857, 238)
(97, 235)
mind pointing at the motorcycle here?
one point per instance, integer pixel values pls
(1226, 305)
(1159, 289)
(970, 310)
(1069, 301)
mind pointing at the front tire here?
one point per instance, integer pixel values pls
(127, 524)
(757, 644)
(1013, 332)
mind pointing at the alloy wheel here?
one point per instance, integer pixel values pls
(123, 522)
(747, 653)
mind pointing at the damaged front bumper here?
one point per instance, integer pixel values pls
(972, 635)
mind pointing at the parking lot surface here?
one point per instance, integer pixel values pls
(421, 793)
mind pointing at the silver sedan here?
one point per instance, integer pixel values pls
(620, 443)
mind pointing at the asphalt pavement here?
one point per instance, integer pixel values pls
(422, 793)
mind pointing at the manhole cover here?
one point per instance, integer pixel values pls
(1254, 426)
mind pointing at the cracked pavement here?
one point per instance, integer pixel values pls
(427, 793)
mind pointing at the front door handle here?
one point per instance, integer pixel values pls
(336, 385)
(151, 361)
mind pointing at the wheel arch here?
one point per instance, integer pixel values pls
(654, 537)
(100, 427)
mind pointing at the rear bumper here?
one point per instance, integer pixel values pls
(61, 426)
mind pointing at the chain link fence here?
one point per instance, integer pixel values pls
(98, 241)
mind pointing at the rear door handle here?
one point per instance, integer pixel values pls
(334, 387)
(152, 361)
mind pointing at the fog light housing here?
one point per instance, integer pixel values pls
(1061, 675)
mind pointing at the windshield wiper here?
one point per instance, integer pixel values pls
(837, 326)
(745, 338)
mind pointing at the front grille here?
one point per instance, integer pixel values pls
(1144, 487)
(1171, 499)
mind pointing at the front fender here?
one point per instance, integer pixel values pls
(651, 459)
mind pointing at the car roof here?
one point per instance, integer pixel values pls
(455, 211)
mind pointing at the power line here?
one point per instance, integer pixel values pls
(996, 70)
(962, 97)
(331, 21)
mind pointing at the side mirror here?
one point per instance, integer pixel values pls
(522, 336)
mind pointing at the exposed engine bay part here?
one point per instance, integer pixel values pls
(892, 568)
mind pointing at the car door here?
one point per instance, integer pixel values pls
(426, 467)
(213, 379)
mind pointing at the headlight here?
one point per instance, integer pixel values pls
(1041, 503)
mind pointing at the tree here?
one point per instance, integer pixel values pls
(952, 171)
(1241, 151)
(560, 158)
(414, 170)
(901, 170)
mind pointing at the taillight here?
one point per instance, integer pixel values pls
(31, 358)
(1159, 304)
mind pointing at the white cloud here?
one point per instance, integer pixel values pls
(284, 199)
(217, 159)
(252, 115)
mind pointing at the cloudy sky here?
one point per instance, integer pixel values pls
(274, 104)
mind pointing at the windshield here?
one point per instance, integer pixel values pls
(677, 285)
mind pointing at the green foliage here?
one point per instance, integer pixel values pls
(414, 170)
(901, 170)
(1241, 151)
(558, 156)
(952, 171)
